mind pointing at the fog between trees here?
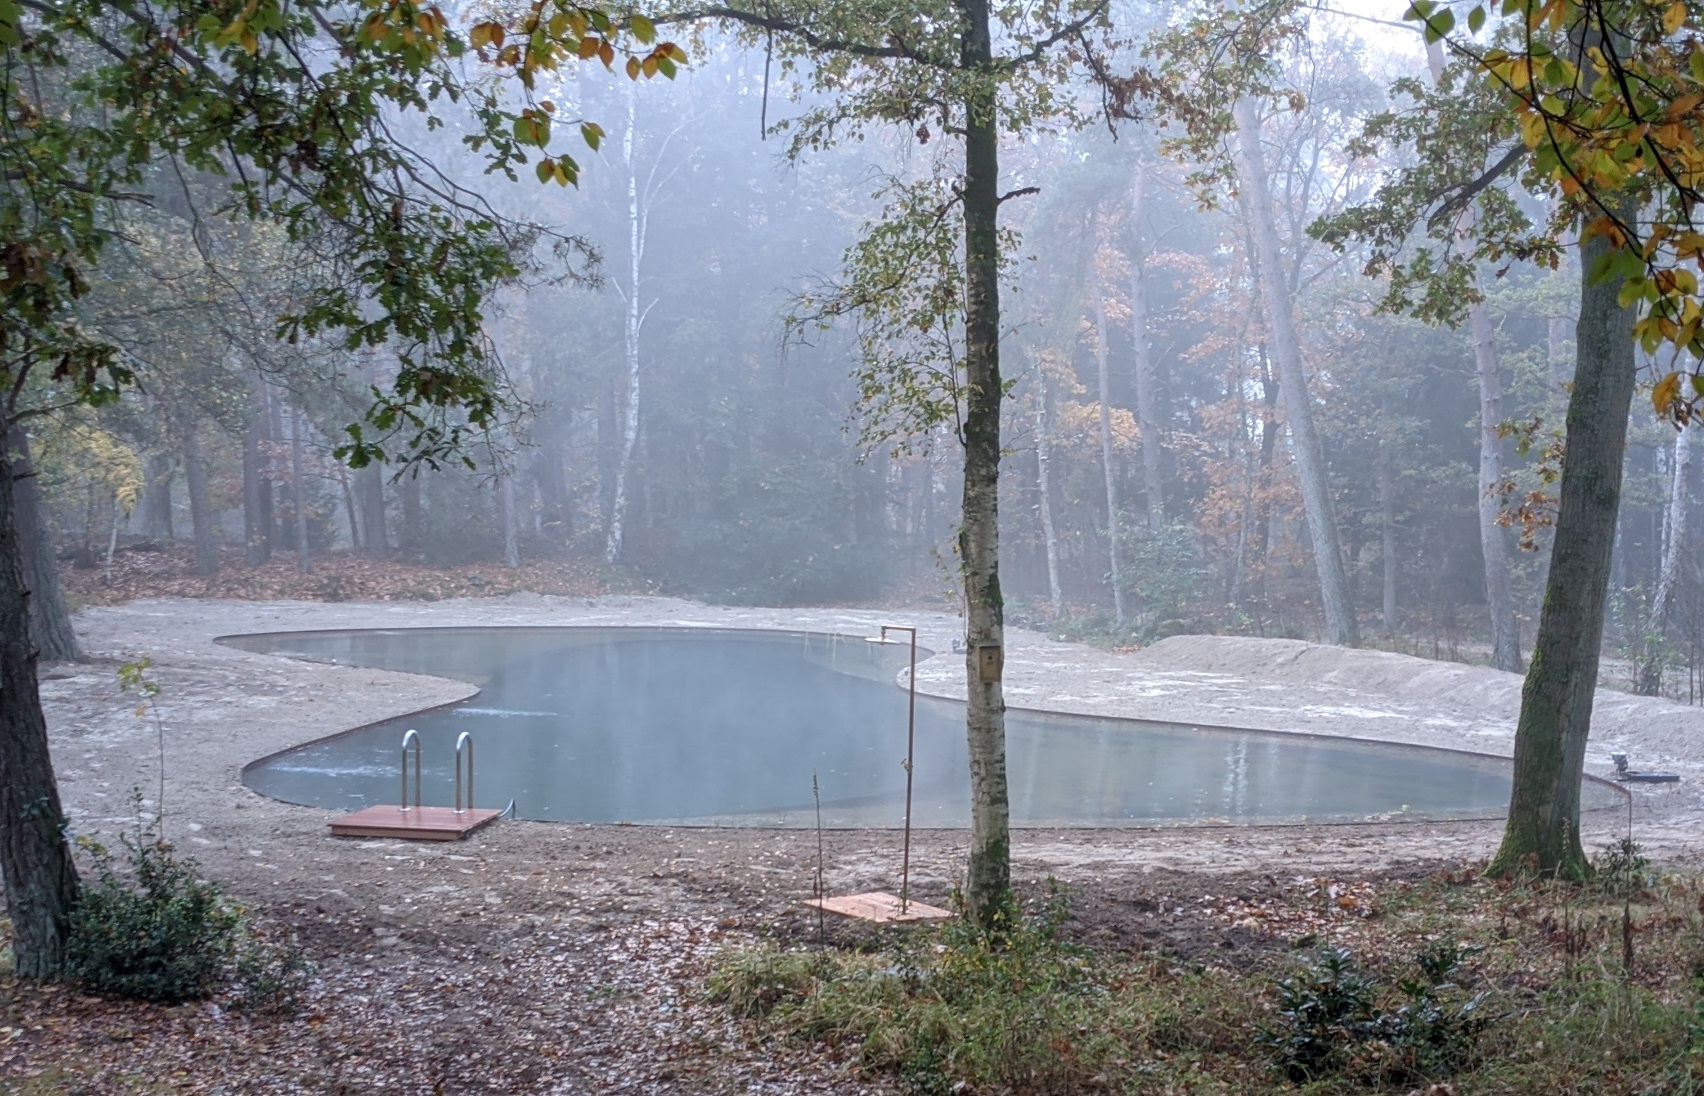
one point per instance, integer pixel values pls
(668, 422)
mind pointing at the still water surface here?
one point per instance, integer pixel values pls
(701, 725)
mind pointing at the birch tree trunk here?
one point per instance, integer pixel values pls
(1044, 473)
(1147, 413)
(1387, 532)
(40, 877)
(1108, 470)
(1542, 834)
(988, 883)
(633, 321)
(1674, 546)
(50, 619)
(1340, 625)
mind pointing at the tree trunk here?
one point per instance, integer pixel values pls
(370, 486)
(633, 320)
(299, 491)
(1493, 538)
(413, 525)
(988, 883)
(1674, 547)
(50, 619)
(1043, 462)
(511, 538)
(1387, 532)
(1340, 625)
(1543, 833)
(257, 485)
(40, 877)
(157, 498)
(1108, 469)
(1147, 413)
(200, 506)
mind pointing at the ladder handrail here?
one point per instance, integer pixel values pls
(408, 736)
(465, 739)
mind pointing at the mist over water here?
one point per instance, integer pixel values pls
(653, 725)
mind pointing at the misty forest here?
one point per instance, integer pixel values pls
(1078, 332)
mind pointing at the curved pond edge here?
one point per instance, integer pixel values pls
(1623, 796)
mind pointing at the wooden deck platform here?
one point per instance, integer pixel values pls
(415, 824)
(878, 906)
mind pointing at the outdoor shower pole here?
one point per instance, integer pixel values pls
(910, 747)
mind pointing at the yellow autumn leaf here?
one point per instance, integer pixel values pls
(1666, 392)
(1675, 17)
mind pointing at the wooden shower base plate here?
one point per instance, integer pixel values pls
(415, 824)
(878, 906)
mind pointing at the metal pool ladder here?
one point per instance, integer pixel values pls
(413, 820)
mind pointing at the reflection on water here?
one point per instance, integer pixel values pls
(644, 725)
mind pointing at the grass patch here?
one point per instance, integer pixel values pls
(1455, 986)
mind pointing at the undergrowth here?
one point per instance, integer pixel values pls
(149, 927)
(1456, 986)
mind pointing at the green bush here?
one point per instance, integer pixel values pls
(147, 927)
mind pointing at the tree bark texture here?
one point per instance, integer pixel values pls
(50, 619)
(988, 883)
(35, 860)
(1340, 625)
(200, 505)
(1542, 834)
(1108, 467)
(157, 498)
(1387, 533)
(1147, 399)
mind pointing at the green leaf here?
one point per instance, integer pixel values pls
(1439, 25)
(643, 29)
(1476, 19)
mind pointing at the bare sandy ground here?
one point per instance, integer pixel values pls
(570, 959)
(222, 708)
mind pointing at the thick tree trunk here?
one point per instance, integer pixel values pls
(1543, 832)
(1108, 469)
(1147, 410)
(988, 883)
(1650, 681)
(50, 619)
(1340, 625)
(40, 877)
(257, 484)
(1044, 476)
(157, 498)
(370, 486)
(200, 505)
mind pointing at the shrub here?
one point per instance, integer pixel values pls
(148, 927)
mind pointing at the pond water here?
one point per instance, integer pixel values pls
(730, 727)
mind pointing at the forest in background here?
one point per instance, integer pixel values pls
(672, 427)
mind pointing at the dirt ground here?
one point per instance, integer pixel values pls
(552, 958)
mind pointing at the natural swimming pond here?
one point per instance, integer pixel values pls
(695, 725)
